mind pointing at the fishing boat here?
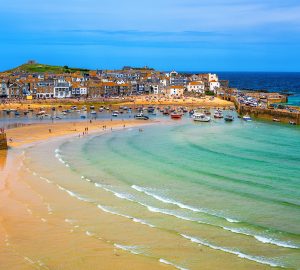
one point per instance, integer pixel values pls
(218, 114)
(176, 115)
(200, 117)
(292, 123)
(229, 118)
(247, 118)
(141, 116)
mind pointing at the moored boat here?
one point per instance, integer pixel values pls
(229, 118)
(201, 117)
(247, 118)
(176, 115)
(141, 116)
(218, 114)
(115, 113)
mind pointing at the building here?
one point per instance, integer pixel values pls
(196, 87)
(62, 89)
(214, 86)
(174, 90)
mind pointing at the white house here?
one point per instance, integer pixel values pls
(62, 89)
(78, 91)
(175, 90)
(214, 86)
(196, 86)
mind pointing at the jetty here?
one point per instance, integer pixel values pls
(3, 141)
(283, 114)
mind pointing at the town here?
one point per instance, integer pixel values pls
(20, 84)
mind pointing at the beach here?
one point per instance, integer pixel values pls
(117, 199)
(27, 222)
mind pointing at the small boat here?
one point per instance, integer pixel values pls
(247, 118)
(115, 114)
(26, 112)
(82, 116)
(58, 118)
(93, 112)
(176, 115)
(207, 112)
(17, 113)
(150, 109)
(40, 113)
(229, 118)
(292, 123)
(276, 120)
(92, 107)
(166, 112)
(218, 114)
(200, 117)
(141, 116)
(53, 109)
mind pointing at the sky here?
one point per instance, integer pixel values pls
(184, 35)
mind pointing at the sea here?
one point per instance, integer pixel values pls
(284, 82)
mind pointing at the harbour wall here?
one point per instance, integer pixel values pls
(267, 114)
(3, 141)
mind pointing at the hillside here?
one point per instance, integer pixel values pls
(41, 68)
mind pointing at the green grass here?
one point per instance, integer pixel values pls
(41, 68)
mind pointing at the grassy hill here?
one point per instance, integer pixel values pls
(41, 68)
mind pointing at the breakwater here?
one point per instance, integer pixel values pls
(267, 113)
(3, 141)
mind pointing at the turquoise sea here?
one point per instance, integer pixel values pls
(217, 192)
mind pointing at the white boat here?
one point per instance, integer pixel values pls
(247, 118)
(200, 117)
(218, 114)
(93, 112)
(115, 113)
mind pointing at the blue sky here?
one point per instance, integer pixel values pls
(186, 35)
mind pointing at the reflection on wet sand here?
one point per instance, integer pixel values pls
(3, 157)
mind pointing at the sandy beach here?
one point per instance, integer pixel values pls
(27, 220)
(133, 101)
(32, 133)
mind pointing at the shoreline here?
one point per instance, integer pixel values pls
(33, 133)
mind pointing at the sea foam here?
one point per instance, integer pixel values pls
(257, 259)
(170, 263)
(143, 222)
(181, 205)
